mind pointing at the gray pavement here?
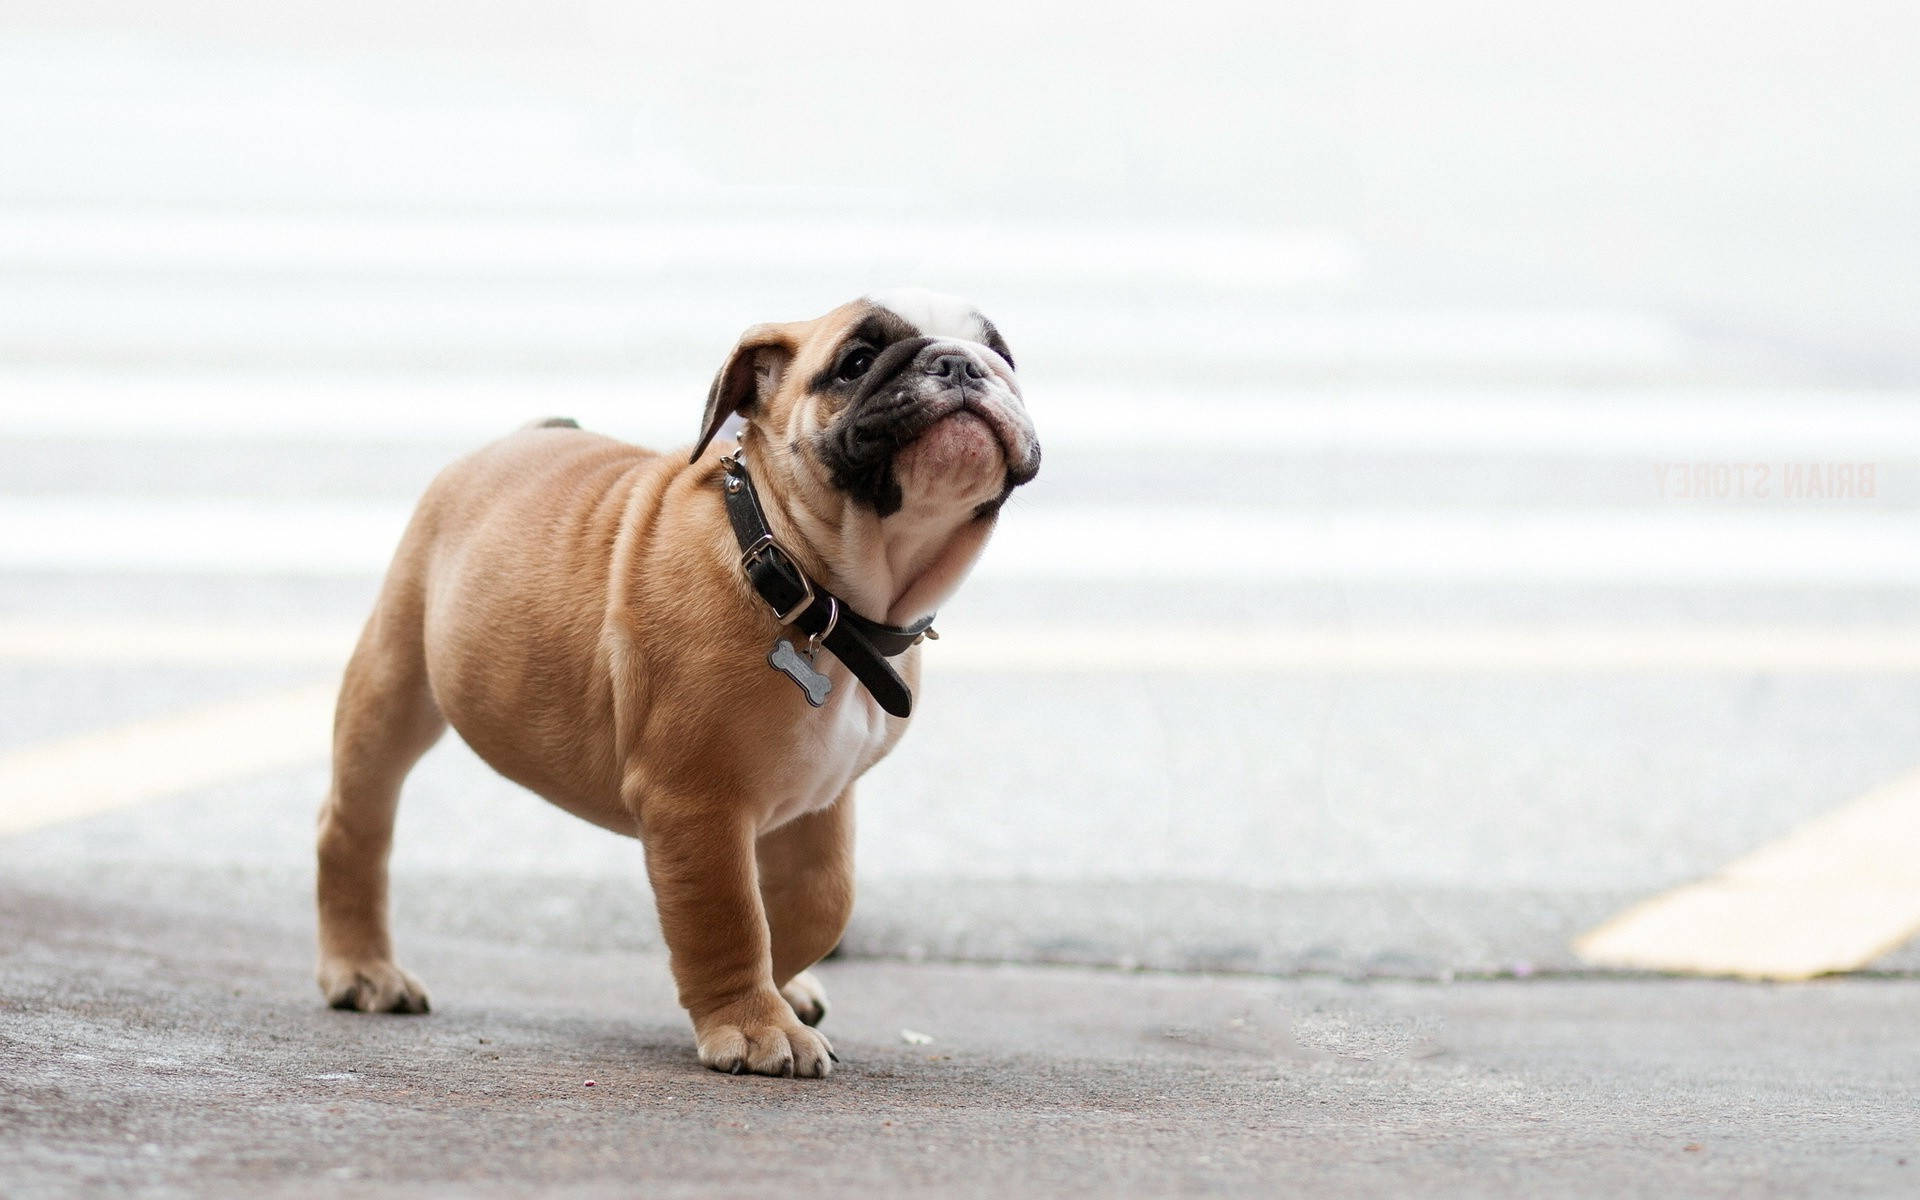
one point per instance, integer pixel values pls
(155, 1047)
(1397, 825)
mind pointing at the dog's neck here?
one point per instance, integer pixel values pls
(895, 569)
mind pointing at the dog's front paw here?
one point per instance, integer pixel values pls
(761, 1036)
(808, 999)
(371, 985)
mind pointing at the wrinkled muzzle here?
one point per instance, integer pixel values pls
(914, 387)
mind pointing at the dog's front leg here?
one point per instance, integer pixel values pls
(705, 882)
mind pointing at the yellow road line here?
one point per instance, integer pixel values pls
(985, 647)
(114, 768)
(1833, 895)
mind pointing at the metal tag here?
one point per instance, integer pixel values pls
(795, 666)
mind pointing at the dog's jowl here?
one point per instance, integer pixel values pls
(602, 623)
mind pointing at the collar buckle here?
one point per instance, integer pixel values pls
(765, 545)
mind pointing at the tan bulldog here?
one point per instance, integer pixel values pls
(704, 652)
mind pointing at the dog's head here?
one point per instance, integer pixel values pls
(903, 400)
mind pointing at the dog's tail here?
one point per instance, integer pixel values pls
(552, 423)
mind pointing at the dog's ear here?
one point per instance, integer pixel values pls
(751, 375)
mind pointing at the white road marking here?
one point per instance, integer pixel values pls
(515, 326)
(1854, 546)
(100, 643)
(198, 406)
(985, 646)
(97, 772)
(213, 536)
(1654, 546)
(1831, 896)
(1660, 425)
(1469, 650)
(113, 768)
(465, 244)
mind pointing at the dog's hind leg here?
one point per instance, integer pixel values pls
(386, 719)
(806, 884)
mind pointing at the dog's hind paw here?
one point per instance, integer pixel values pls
(808, 998)
(372, 986)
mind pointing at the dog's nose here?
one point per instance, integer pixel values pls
(955, 367)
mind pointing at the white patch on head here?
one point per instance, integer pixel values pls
(932, 313)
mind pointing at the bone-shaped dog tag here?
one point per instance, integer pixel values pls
(795, 666)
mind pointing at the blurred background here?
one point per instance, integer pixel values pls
(1402, 593)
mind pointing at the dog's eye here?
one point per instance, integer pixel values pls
(855, 364)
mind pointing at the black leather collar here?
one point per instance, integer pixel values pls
(862, 643)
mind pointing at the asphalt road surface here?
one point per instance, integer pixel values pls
(174, 1048)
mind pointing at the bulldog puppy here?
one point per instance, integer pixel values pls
(702, 652)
